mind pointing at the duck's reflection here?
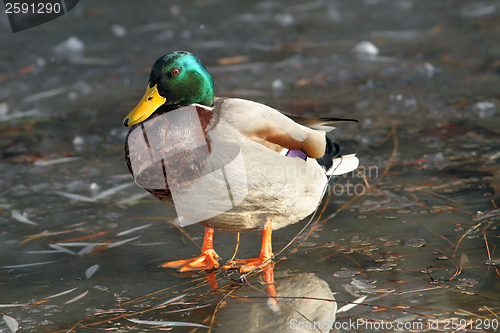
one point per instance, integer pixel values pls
(304, 303)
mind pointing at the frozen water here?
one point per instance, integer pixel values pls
(437, 136)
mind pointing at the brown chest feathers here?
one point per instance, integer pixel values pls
(169, 149)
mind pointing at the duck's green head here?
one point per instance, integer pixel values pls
(177, 79)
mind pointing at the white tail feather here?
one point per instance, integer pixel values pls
(323, 128)
(343, 165)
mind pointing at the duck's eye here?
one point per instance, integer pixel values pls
(150, 98)
(176, 71)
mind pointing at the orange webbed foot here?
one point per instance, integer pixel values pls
(246, 265)
(207, 260)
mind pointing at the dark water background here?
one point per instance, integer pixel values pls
(427, 96)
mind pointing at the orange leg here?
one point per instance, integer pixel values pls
(266, 252)
(207, 259)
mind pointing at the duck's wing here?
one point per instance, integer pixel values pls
(263, 124)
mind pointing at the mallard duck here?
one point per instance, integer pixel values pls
(226, 163)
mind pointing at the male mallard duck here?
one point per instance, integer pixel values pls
(227, 163)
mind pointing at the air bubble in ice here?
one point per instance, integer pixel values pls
(175, 10)
(366, 48)
(95, 189)
(78, 142)
(72, 96)
(4, 108)
(278, 85)
(285, 19)
(486, 109)
(345, 273)
(118, 30)
(416, 242)
(71, 46)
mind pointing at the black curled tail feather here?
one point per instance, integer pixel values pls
(332, 151)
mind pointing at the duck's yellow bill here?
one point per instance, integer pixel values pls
(148, 104)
